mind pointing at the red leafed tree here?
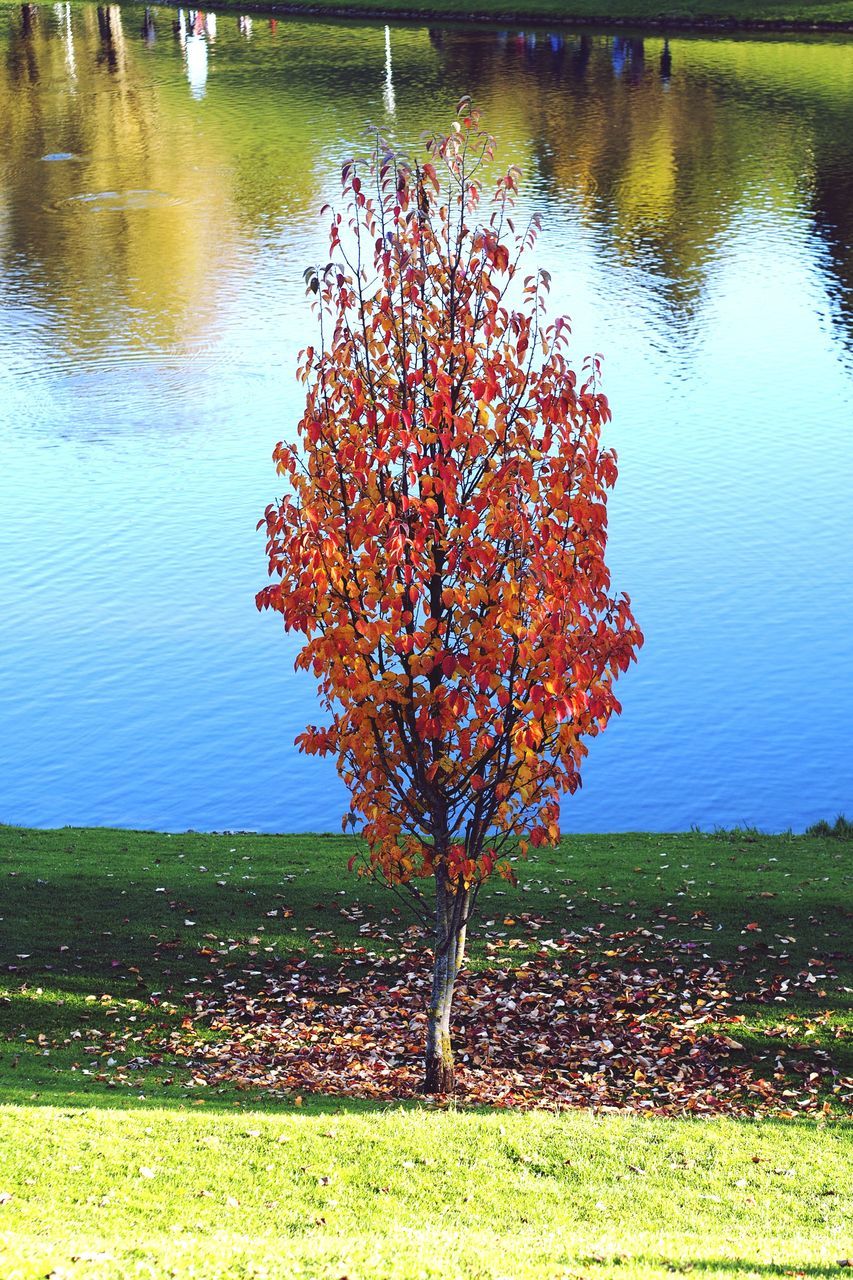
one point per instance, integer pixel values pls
(441, 544)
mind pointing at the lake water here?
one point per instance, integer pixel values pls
(160, 181)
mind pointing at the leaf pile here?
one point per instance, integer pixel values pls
(562, 1030)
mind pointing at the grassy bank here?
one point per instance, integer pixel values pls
(120, 1154)
(667, 15)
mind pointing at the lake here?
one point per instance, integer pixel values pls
(161, 174)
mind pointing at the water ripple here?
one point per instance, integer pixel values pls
(699, 222)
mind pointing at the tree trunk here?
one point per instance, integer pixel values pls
(438, 1077)
(450, 912)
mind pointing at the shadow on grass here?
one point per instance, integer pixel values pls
(57, 1094)
(139, 917)
(152, 1093)
(92, 935)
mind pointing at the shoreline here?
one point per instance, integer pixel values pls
(539, 18)
(749, 833)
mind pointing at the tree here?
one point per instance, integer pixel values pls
(441, 544)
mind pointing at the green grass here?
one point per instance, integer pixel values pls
(841, 829)
(411, 1194)
(108, 1173)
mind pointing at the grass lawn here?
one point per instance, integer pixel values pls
(118, 1160)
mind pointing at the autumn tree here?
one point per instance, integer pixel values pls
(441, 543)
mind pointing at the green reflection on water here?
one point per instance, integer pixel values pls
(178, 144)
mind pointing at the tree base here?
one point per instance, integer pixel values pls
(439, 1075)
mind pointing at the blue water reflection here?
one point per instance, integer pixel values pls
(160, 186)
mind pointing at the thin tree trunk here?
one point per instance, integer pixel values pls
(450, 911)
